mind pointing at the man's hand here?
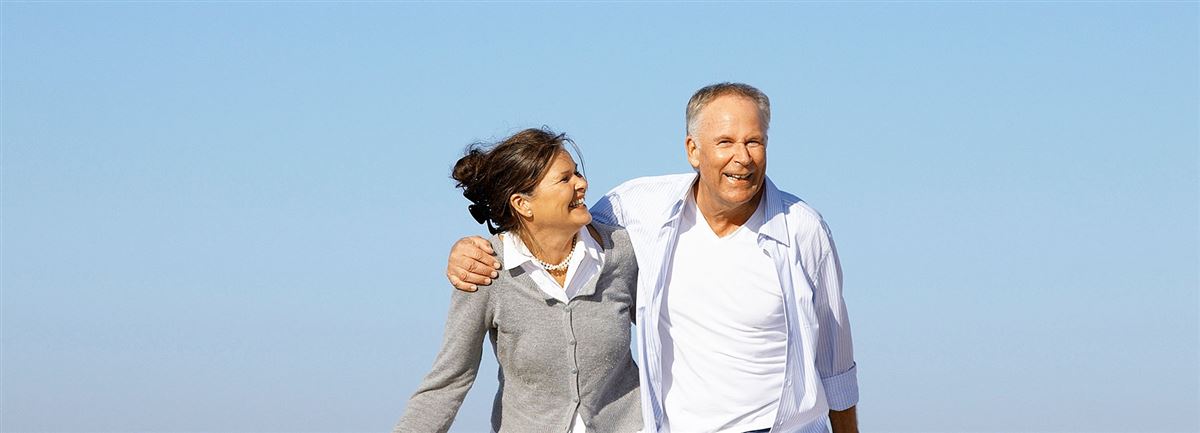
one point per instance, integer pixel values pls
(471, 264)
(844, 421)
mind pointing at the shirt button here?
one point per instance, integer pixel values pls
(575, 400)
(569, 308)
(572, 342)
(574, 371)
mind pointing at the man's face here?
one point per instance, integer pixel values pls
(728, 147)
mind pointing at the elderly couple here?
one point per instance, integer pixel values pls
(734, 285)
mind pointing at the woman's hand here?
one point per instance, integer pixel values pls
(471, 264)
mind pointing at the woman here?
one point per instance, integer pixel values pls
(557, 316)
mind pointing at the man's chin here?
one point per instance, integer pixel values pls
(743, 197)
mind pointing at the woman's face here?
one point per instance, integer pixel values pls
(557, 201)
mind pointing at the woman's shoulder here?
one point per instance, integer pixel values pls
(609, 236)
(497, 241)
(614, 240)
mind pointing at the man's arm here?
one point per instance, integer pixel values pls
(835, 349)
(471, 264)
(843, 421)
(607, 210)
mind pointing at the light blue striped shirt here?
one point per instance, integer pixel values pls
(820, 373)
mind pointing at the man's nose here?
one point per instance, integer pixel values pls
(741, 154)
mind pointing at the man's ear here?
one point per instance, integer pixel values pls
(693, 151)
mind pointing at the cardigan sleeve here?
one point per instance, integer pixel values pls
(434, 405)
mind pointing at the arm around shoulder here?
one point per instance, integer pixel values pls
(471, 264)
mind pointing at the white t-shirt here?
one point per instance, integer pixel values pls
(586, 263)
(723, 330)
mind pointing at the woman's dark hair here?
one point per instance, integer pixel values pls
(489, 175)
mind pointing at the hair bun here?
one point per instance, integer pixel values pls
(468, 172)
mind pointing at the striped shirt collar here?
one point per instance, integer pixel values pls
(774, 225)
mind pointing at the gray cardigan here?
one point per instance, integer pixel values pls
(554, 357)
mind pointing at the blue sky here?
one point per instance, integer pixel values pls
(234, 216)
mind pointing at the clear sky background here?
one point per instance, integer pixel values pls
(234, 217)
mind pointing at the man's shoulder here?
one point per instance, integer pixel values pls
(801, 209)
(797, 208)
(802, 219)
(643, 201)
(668, 184)
(647, 197)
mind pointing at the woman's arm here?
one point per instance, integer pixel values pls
(433, 407)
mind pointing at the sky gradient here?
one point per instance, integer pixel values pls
(234, 217)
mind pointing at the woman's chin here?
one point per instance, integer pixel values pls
(585, 219)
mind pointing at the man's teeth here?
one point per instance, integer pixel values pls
(739, 176)
(577, 203)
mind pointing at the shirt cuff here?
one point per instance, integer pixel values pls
(842, 390)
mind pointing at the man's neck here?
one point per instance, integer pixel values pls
(722, 219)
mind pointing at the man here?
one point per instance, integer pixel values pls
(741, 322)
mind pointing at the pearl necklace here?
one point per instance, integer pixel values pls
(561, 265)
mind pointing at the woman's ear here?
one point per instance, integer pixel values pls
(520, 204)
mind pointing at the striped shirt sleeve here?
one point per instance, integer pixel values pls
(835, 351)
(608, 210)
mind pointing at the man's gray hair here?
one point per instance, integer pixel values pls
(708, 93)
